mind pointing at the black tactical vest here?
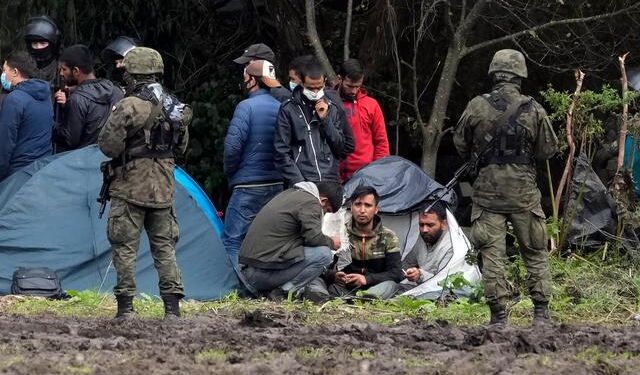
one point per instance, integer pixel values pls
(160, 134)
(513, 142)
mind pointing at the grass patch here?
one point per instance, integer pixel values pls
(77, 369)
(211, 356)
(361, 354)
(312, 353)
(11, 361)
(585, 291)
(596, 356)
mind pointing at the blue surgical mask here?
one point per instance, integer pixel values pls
(5, 82)
(292, 85)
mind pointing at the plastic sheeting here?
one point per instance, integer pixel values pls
(403, 186)
(590, 208)
(49, 217)
(458, 263)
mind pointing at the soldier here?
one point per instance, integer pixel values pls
(142, 134)
(114, 54)
(510, 132)
(42, 38)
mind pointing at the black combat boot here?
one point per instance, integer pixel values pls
(498, 315)
(125, 306)
(541, 313)
(171, 306)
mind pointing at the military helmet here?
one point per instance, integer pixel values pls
(510, 61)
(143, 60)
(118, 48)
(42, 28)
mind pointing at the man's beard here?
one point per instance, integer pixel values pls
(70, 82)
(347, 96)
(431, 239)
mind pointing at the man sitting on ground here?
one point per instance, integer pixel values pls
(425, 262)
(375, 265)
(285, 248)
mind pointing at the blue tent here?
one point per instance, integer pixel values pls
(49, 217)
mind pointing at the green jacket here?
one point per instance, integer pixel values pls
(509, 187)
(277, 236)
(145, 182)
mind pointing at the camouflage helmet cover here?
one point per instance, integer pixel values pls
(143, 60)
(510, 61)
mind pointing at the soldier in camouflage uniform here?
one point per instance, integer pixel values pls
(142, 192)
(509, 132)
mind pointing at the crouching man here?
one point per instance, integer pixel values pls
(285, 248)
(375, 265)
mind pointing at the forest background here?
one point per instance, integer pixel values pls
(425, 59)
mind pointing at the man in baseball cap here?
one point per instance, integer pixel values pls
(258, 51)
(262, 52)
(249, 154)
(264, 71)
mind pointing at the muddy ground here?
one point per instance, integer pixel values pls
(259, 343)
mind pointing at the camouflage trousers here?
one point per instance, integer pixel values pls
(488, 237)
(125, 224)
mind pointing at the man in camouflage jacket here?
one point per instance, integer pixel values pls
(514, 132)
(375, 265)
(142, 192)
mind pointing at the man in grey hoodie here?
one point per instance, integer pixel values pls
(285, 248)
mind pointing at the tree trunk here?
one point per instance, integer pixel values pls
(314, 39)
(347, 30)
(432, 130)
(290, 23)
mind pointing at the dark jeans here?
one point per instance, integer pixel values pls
(316, 260)
(244, 205)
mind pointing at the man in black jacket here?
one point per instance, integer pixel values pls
(88, 106)
(312, 136)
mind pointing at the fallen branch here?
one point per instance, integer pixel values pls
(568, 168)
(625, 113)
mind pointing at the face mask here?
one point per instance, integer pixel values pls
(244, 88)
(313, 96)
(5, 82)
(292, 85)
(42, 56)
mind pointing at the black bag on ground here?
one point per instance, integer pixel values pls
(40, 281)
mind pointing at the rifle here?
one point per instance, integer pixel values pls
(108, 174)
(470, 165)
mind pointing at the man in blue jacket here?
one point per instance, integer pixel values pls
(26, 117)
(249, 154)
